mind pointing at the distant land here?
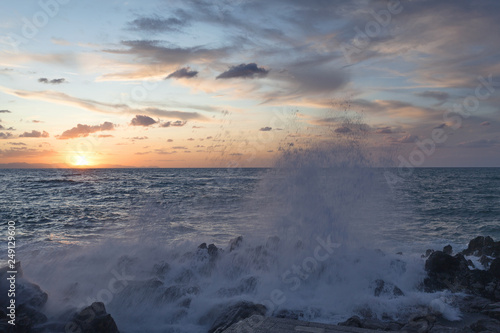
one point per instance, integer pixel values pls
(58, 166)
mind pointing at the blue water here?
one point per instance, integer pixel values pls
(75, 227)
(71, 205)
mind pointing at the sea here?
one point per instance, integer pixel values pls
(315, 238)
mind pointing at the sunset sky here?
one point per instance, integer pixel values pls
(196, 83)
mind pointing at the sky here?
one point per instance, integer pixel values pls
(198, 83)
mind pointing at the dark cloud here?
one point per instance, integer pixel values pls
(485, 123)
(343, 130)
(84, 130)
(185, 72)
(53, 81)
(5, 135)
(443, 125)
(156, 24)
(266, 129)
(177, 123)
(153, 51)
(246, 71)
(24, 152)
(5, 111)
(34, 134)
(440, 96)
(141, 120)
(383, 130)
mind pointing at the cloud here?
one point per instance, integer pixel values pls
(266, 129)
(156, 24)
(34, 134)
(141, 120)
(443, 125)
(53, 81)
(5, 135)
(17, 152)
(139, 138)
(485, 123)
(185, 72)
(84, 130)
(105, 136)
(179, 147)
(5, 111)
(343, 129)
(17, 143)
(440, 96)
(481, 143)
(246, 71)
(107, 108)
(383, 130)
(177, 123)
(409, 138)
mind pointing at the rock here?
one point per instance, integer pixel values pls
(483, 246)
(448, 249)
(485, 261)
(202, 246)
(427, 253)
(235, 243)
(486, 325)
(236, 313)
(372, 324)
(495, 268)
(446, 272)
(354, 321)
(444, 329)
(93, 319)
(174, 293)
(289, 314)
(387, 289)
(213, 251)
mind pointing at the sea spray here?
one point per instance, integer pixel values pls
(307, 253)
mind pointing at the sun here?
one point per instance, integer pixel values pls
(80, 160)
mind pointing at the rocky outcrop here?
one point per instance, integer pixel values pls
(454, 272)
(235, 313)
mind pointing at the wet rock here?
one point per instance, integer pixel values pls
(387, 289)
(483, 246)
(486, 326)
(289, 314)
(93, 319)
(235, 243)
(444, 329)
(354, 321)
(234, 314)
(448, 249)
(427, 253)
(495, 268)
(372, 324)
(485, 261)
(213, 252)
(445, 271)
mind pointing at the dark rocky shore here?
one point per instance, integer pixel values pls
(446, 270)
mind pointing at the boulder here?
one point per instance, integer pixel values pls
(486, 325)
(234, 314)
(93, 319)
(448, 249)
